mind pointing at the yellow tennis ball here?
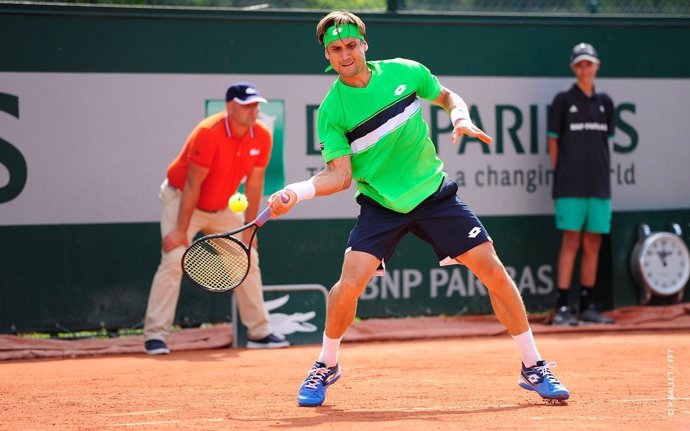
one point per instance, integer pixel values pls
(238, 202)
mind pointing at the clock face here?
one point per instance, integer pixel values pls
(664, 263)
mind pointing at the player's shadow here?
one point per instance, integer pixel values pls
(330, 415)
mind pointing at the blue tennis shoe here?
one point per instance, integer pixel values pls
(540, 379)
(312, 393)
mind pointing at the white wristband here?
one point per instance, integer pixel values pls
(459, 114)
(304, 190)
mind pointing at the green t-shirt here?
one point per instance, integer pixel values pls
(382, 129)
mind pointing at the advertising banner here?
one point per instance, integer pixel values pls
(93, 148)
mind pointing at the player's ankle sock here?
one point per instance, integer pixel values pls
(528, 349)
(562, 298)
(329, 350)
(585, 297)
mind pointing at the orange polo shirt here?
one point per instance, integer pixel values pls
(229, 159)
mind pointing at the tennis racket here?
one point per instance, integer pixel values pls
(220, 262)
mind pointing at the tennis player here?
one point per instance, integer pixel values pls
(371, 130)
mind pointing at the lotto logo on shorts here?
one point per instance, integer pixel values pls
(474, 232)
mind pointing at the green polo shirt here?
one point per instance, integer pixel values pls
(382, 129)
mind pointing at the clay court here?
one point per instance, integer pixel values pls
(632, 379)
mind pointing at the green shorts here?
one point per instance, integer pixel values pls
(584, 214)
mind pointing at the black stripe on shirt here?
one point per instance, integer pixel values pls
(380, 118)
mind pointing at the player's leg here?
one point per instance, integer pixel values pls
(505, 297)
(373, 239)
(536, 373)
(454, 230)
(457, 236)
(377, 232)
(358, 268)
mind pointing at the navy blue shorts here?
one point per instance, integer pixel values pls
(442, 220)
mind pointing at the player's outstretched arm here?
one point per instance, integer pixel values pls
(459, 115)
(337, 176)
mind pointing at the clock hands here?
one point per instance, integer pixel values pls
(663, 254)
(660, 262)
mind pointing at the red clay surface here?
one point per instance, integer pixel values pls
(618, 381)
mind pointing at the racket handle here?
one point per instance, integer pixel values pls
(266, 213)
(263, 217)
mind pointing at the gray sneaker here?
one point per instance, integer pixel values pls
(562, 317)
(591, 315)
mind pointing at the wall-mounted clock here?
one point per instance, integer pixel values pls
(660, 263)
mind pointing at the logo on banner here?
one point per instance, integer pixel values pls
(286, 324)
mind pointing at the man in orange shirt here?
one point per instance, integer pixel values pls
(221, 151)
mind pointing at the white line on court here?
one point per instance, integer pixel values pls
(646, 400)
(144, 412)
(437, 408)
(170, 422)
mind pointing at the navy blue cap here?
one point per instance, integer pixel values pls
(244, 93)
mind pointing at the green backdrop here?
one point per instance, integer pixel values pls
(55, 277)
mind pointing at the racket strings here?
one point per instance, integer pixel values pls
(217, 263)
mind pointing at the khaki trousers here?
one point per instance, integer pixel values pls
(165, 289)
